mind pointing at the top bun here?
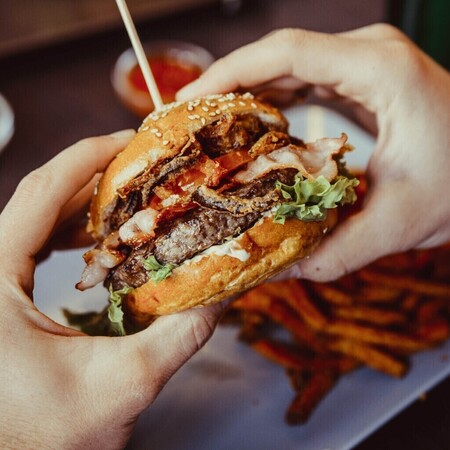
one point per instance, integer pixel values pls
(163, 135)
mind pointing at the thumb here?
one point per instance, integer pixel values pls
(171, 340)
(138, 366)
(379, 229)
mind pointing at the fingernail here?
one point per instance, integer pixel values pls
(123, 134)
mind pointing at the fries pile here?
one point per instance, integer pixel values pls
(375, 317)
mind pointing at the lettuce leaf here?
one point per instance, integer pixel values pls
(309, 199)
(115, 313)
(156, 271)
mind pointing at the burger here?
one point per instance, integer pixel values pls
(210, 198)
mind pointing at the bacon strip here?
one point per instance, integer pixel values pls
(315, 160)
(98, 262)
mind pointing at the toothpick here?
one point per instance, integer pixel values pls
(140, 54)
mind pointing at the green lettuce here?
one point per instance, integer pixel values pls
(115, 313)
(309, 199)
(156, 271)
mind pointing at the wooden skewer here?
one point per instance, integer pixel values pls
(140, 54)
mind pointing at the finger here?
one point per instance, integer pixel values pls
(378, 31)
(181, 335)
(138, 366)
(347, 64)
(30, 217)
(379, 229)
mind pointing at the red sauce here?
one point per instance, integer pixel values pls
(170, 76)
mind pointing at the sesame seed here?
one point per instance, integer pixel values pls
(224, 107)
(158, 134)
(212, 114)
(206, 109)
(242, 103)
(213, 96)
(145, 128)
(203, 121)
(197, 116)
(191, 117)
(154, 130)
(248, 95)
(165, 142)
(231, 105)
(208, 102)
(190, 107)
(254, 105)
(218, 111)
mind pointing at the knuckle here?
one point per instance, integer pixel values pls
(290, 37)
(93, 143)
(219, 66)
(388, 31)
(407, 57)
(401, 60)
(35, 183)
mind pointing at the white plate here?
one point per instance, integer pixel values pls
(229, 397)
(6, 123)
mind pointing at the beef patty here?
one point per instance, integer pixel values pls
(196, 231)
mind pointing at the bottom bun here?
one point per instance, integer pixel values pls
(202, 281)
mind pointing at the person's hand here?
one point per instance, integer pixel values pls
(409, 95)
(60, 389)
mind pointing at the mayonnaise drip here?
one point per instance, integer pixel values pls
(231, 248)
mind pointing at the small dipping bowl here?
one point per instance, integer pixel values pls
(6, 122)
(174, 64)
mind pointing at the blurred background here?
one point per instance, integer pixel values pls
(57, 56)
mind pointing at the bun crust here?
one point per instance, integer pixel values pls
(164, 134)
(272, 248)
(210, 277)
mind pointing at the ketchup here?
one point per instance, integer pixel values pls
(170, 76)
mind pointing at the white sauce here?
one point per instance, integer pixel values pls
(231, 248)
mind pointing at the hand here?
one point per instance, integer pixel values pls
(61, 389)
(378, 68)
